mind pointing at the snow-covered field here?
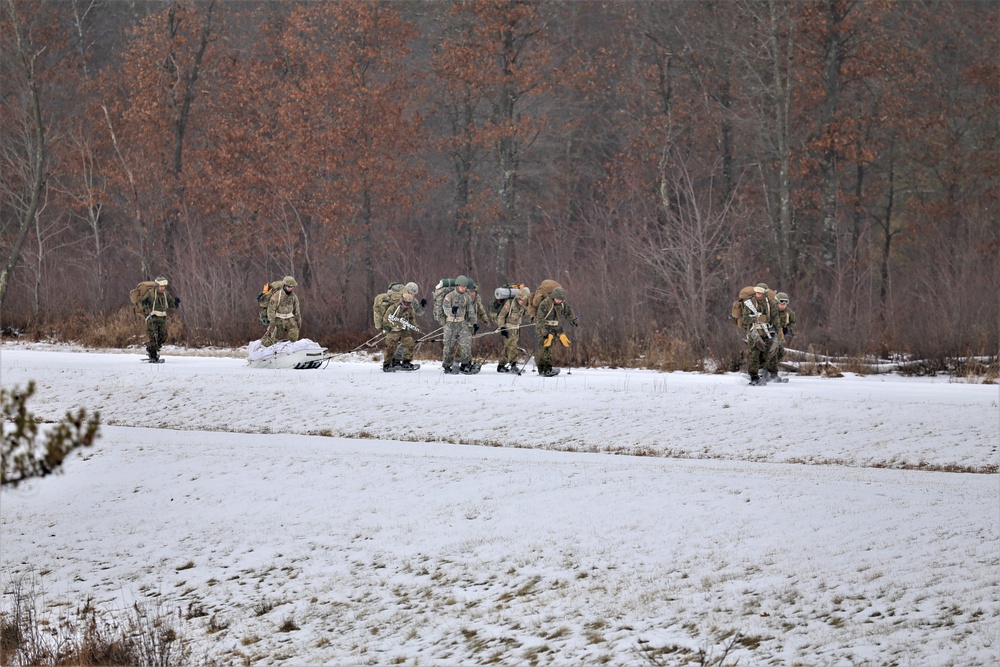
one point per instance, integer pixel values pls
(603, 516)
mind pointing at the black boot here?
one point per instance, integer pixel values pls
(513, 368)
(502, 368)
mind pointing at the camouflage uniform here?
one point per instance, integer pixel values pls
(509, 319)
(419, 305)
(548, 321)
(460, 313)
(383, 301)
(154, 306)
(396, 334)
(482, 316)
(786, 330)
(285, 316)
(759, 342)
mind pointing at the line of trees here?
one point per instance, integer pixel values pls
(653, 156)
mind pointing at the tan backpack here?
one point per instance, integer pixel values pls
(140, 292)
(745, 293)
(542, 293)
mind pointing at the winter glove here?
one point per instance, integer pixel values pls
(574, 322)
(564, 340)
(475, 328)
(454, 310)
(177, 302)
(505, 333)
(423, 303)
(789, 334)
(548, 340)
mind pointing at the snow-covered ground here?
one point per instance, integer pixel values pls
(603, 516)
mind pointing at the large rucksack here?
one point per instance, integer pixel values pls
(382, 303)
(140, 292)
(736, 312)
(441, 290)
(265, 296)
(542, 293)
(501, 295)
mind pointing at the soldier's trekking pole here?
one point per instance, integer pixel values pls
(530, 357)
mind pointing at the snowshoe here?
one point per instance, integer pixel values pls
(390, 369)
(450, 370)
(502, 368)
(549, 372)
(469, 369)
(757, 382)
(152, 360)
(407, 366)
(514, 369)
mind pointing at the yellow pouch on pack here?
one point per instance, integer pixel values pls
(564, 340)
(548, 340)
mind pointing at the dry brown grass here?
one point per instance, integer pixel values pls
(136, 636)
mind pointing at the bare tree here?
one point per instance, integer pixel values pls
(681, 242)
(29, 156)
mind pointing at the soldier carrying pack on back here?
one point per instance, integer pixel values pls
(154, 300)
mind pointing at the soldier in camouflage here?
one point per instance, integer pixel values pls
(459, 309)
(786, 327)
(511, 314)
(548, 327)
(397, 334)
(154, 305)
(760, 320)
(419, 307)
(283, 313)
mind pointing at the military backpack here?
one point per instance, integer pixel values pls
(736, 311)
(542, 293)
(140, 292)
(502, 294)
(441, 290)
(264, 297)
(382, 303)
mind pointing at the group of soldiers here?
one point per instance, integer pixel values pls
(770, 325)
(459, 310)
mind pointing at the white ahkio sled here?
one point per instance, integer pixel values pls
(303, 354)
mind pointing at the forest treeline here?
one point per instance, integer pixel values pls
(654, 157)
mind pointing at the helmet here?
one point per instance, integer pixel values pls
(781, 297)
(463, 281)
(288, 281)
(160, 280)
(407, 297)
(473, 287)
(412, 288)
(761, 286)
(559, 293)
(523, 293)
